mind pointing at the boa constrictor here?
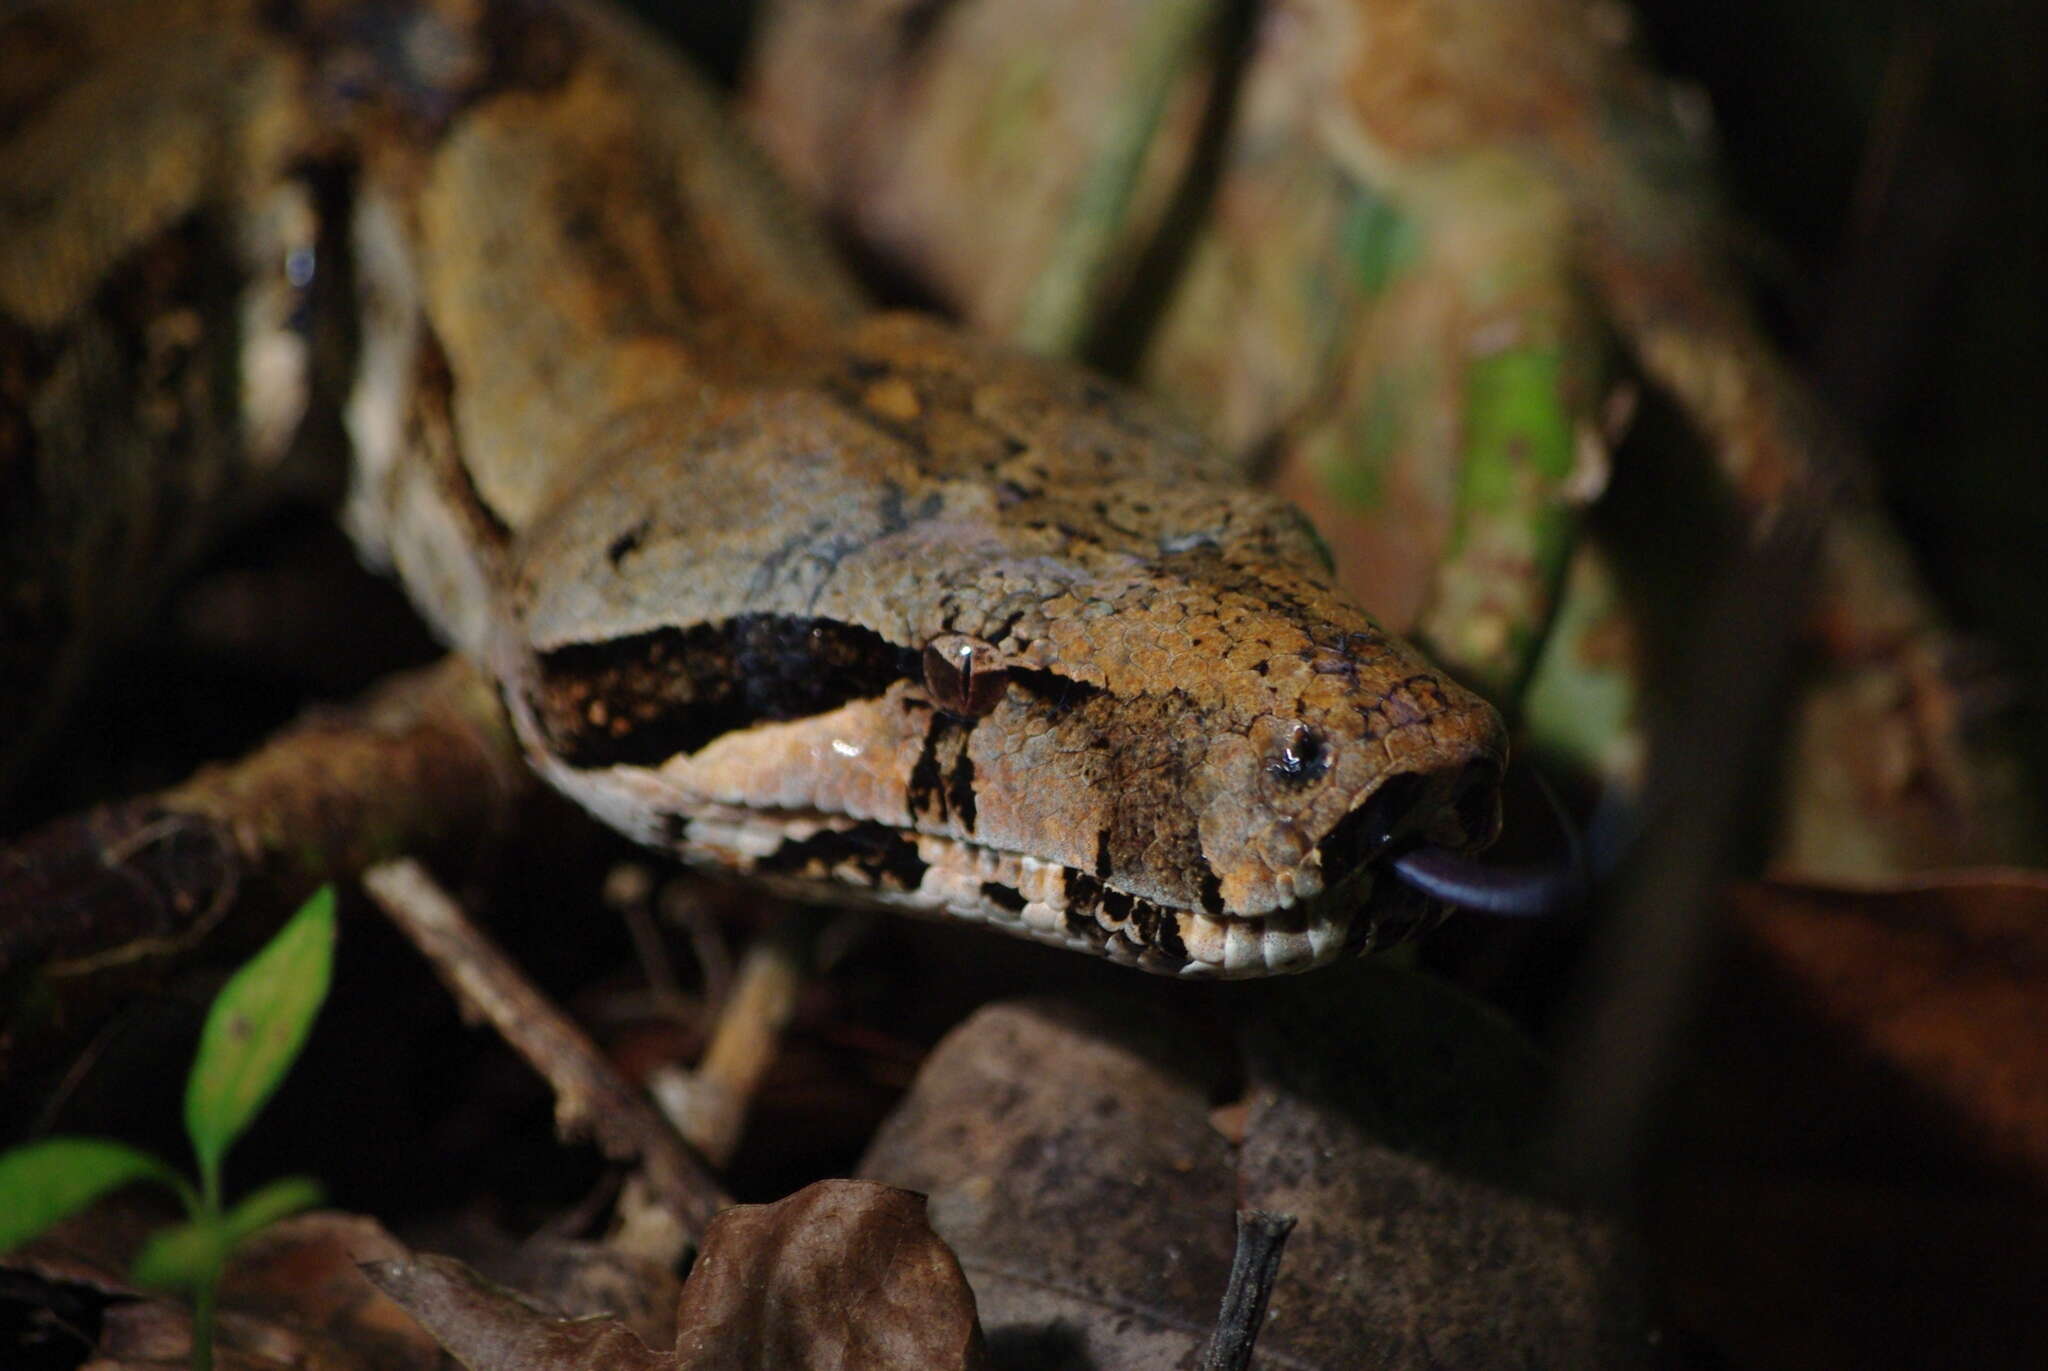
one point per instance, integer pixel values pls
(840, 600)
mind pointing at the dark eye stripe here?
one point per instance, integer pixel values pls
(642, 699)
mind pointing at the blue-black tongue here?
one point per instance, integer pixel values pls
(1525, 891)
(1446, 810)
(1507, 891)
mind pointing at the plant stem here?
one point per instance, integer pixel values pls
(202, 1317)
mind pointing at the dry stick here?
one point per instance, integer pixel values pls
(1261, 1234)
(424, 758)
(709, 1106)
(591, 1099)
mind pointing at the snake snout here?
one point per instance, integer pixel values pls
(1453, 807)
(1446, 872)
(1470, 820)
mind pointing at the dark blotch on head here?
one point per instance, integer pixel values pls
(960, 789)
(1117, 905)
(1007, 897)
(642, 699)
(1083, 893)
(626, 543)
(881, 857)
(1166, 938)
(1059, 693)
(936, 791)
(1145, 926)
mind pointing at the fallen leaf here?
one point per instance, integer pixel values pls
(1073, 1167)
(1855, 1166)
(487, 1327)
(841, 1276)
(1396, 1119)
(575, 1280)
(1945, 979)
(306, 1272)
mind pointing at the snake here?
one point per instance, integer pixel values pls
(841, 600)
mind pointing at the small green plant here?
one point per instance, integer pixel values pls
(253, 1033)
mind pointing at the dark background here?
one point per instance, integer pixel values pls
(1892, 161)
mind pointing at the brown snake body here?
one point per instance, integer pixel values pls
(847, 602)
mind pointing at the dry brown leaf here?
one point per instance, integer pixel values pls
(1072, 1164)
(841, 1276)
(1942, 981)
(579, 1279)
(486, 1327)
(1856, 1168)
(1396, 1119)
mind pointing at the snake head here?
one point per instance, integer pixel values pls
(973, 635)
(1253, 752)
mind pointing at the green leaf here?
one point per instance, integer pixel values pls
(184, 1256)
(266, 1205)
(43, 1182)
(254, 1032)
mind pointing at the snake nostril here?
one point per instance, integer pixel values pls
(1365, 832)
(1475, 806)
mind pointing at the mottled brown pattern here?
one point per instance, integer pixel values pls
(634, 442)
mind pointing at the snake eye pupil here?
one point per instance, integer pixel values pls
(1304, 755)
(964, 675)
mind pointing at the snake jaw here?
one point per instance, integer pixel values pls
(1294, 873)
(814, 856)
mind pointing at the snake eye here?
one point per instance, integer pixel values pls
(1301, 756)
(964, 675)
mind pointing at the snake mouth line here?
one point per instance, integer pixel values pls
(815, 856)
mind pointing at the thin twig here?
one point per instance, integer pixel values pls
(1261, 1235)
(591, 1098)
(681, 904)
(629, 889)
(709, 1106)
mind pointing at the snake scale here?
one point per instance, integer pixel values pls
(844, 601)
